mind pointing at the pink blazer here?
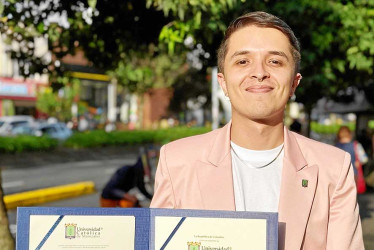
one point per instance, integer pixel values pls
(195, 173)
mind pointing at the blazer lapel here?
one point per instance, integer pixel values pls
(215, 176)
(299, 182)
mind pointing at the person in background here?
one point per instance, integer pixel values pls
(82, 124)
(364, 137)
(354, 148)
(116, 191)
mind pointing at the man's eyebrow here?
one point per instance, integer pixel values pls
(240, 53)
(278, 53)
(272, 52)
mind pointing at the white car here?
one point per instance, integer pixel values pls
(56, 130)
(9, 123)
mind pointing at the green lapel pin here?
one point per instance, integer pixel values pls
(304, 183)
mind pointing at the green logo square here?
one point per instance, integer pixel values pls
(304, 183)
(70, 231)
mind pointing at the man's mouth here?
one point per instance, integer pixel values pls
(259, 89)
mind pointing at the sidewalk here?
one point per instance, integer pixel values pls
(366, 203)
(63, 155)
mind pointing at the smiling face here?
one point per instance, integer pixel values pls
(259, 73)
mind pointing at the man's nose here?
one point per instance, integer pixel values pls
(259, 72)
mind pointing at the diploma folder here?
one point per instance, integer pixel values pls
(144, 229)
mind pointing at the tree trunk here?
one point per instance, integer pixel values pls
(6, 239)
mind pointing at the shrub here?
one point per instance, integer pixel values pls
(98, 138)
(329, 129)
(26, 143)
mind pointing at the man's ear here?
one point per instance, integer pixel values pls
(295, 83)
(222, 83)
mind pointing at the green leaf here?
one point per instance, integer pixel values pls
(148, 4)
(92, 45)
(164, 33)
(171, 46)
(340, 65)
(109, 19)
(1, 8)
(181, 12)
(40, 27)
(198, 18)
(230, 3)
(352, 50)
(92, 3)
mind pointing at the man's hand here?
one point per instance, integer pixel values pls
(130, 197)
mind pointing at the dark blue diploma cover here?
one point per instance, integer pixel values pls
(154, 228)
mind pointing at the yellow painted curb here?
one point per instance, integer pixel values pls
(48, 194)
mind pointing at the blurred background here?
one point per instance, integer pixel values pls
(85, 84)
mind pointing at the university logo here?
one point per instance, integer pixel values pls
(193, 245)
(70, 230)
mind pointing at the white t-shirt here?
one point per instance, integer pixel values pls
(256, 188)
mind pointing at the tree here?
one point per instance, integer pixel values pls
(336, 36)
(58, 104)
(189, 85)
(119, 37)
(146, 69)
(110, 33)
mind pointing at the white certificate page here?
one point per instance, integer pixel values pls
(81, 232)
(210, 233)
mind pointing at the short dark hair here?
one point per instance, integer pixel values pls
(264, 20)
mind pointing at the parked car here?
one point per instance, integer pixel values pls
(57, 130)
(24, 129)
(9, 123)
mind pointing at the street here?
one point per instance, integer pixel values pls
(99, 171)
(17, 179)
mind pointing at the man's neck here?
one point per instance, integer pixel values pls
(257, 135)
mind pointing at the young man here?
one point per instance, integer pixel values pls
(254, 163)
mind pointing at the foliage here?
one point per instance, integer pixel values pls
(371, 124)
(149, 68)
(336, 36)
(187, 86)
(26, 143)
(23, 22)
(191, 17)
(111, 34)
(58, 104)
(122, 36)
(329, 129)
(100, 138)
(357, 16)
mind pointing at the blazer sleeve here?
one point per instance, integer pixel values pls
(344, 227)
(163, 196)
